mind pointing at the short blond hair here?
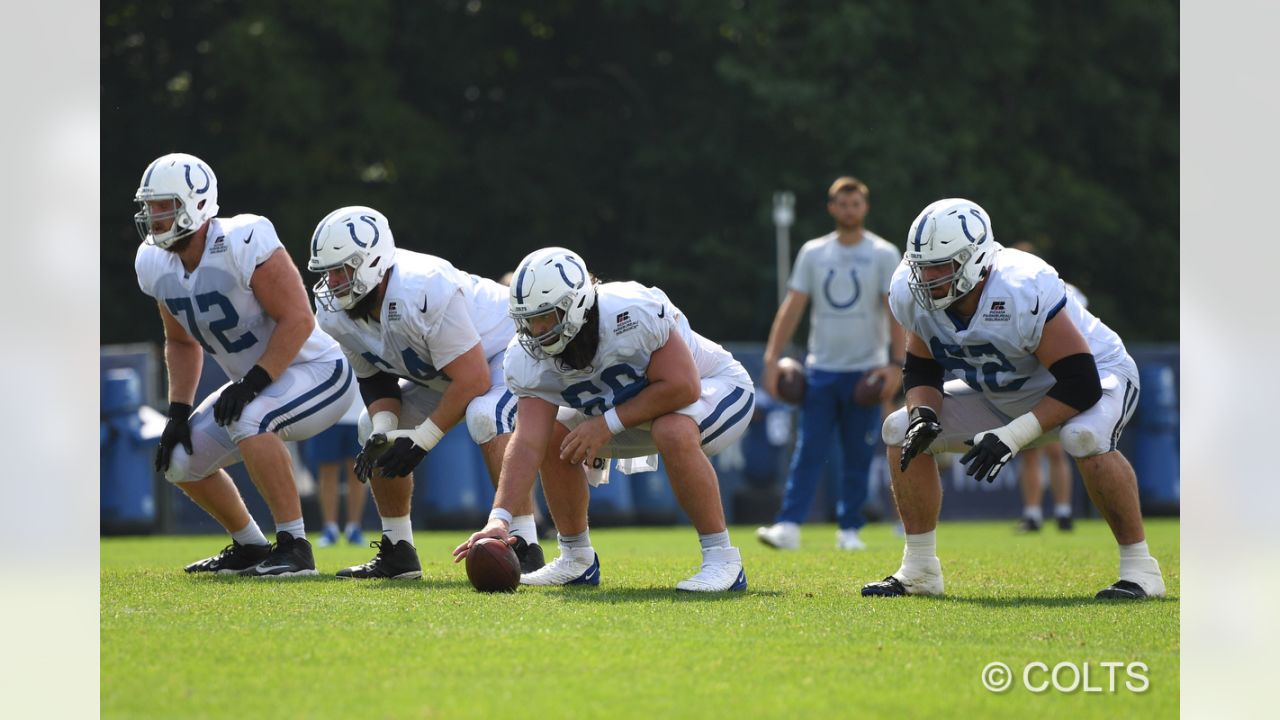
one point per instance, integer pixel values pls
(847, 183)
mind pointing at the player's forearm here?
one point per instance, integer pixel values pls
(454, 401)
(288, 337)
(184, 362)
(1052, 413)
(659, 398)
(897, 341)
(926, 396)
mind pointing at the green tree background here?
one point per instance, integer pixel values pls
(650, 135)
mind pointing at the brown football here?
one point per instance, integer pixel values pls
(492, 566)
(791, 383)
(867, 391)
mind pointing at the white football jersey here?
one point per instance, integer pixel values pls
(431, 313)
(994, 352)
(634, 322)
(215, 302)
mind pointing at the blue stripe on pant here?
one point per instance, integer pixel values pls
(341, 371)
(828, 412)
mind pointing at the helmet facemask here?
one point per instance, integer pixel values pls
(180, 226)
(922, 288)
(344, 295)
(571, 315)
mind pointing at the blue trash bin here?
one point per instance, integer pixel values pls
(1155, 446)
(127, 480)
(452, 485)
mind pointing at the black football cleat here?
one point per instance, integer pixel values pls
(1027, 525)
(888, 587)
(233, 558)
(290, 557)
(1065, 523)
(1122, 590)
(530, 556)
(397, 561)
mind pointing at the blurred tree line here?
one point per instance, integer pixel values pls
(650, 135)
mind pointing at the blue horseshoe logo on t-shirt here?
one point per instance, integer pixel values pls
(826, 289)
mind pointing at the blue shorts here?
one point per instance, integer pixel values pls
(335, 445)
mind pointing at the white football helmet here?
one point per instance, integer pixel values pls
(181, 177)
(550, 280)
(356, 239)
(955, 232)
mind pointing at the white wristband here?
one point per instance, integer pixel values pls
(500, 514)
(613, 421)
(427, 435)
(1023, 430)
(384, 422)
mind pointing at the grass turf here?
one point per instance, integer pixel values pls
(800, 642)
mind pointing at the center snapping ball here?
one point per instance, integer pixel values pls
(492, 566)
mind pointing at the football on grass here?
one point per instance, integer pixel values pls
(492, 566)
(790, 381)
(867, 391)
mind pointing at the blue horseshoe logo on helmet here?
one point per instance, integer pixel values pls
(582, 274)
(351, 227)
(965, 227)
(826, 289)
(192, 185)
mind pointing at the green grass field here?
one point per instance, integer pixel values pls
(800, 642)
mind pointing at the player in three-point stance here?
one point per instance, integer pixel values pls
(427, 342)
(614, 370)
(1036, 367)
(227, 287)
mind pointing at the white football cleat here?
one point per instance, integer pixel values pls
(849, 540)
(783, 536)
(721, 571)
(566, 570)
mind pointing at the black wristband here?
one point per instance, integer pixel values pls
(179, 411)
(257, 379)
(923, 413)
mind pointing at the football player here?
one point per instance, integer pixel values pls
(427, 343)
(227, 287)
(1032, 366)
(614, 370)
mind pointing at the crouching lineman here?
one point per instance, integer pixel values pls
(427, 342)
(1036, 367)
(614, 371)
(227, 287)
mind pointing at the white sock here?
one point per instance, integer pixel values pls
(577, 546)
(1136, 551)
(924, 545)
(523, 526)
(250, 534)
(1137, 565)
(1062, 510)
(331, 527)
(294, 528)
(714, 540)
(397, 529)
(351, 527)
(1033, 512)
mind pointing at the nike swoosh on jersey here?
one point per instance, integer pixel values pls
(1036, 311)
(424, 304)
(663, 312)
(246, 240)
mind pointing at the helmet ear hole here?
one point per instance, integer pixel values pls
(200, 205)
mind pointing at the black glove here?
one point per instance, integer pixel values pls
(232, 400)
(921, 433)
(177, 430)
(372, 450)
(988, 456)
(400, 460)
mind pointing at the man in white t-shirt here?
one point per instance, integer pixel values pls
(845, 275)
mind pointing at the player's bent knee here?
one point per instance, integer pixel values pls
(180, 469)
(481, 423)
(1081, 442)
(894, 429)
(673, 430)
